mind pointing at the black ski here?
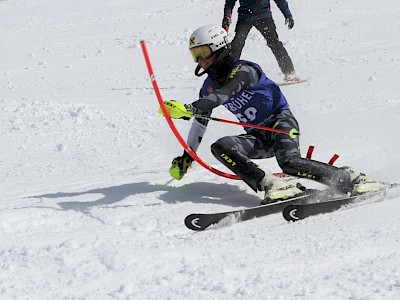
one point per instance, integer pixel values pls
(200, 222)
(292, 82)
(299, 211)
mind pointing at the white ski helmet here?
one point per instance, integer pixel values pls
(206, 40)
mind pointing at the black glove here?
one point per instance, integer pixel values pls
(290, 22)
(226, 21)
(180, 165)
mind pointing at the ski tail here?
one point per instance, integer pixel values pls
(296, 212)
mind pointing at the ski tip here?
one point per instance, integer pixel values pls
(193, 222)
(289, 213)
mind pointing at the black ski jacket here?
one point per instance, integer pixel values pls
(253, 10)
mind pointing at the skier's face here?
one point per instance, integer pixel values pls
(205, 63)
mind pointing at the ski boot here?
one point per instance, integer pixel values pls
(276, 189)
(291, 76)
(363, 184)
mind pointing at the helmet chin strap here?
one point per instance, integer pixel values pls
(198, 73)
(222, 55)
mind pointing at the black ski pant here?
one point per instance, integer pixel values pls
(235, 153)
(268, 30)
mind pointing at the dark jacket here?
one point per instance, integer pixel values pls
(253, 10)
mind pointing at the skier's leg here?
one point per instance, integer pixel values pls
(288, 156)
(334, 177)
(241, 31)
(268, 29)
(234, 152)
(289, 159)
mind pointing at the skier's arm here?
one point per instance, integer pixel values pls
(284, 8)
(241, 78)
(196, 133)
(181, 164)
(197, 129)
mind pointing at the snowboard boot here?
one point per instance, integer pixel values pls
(363, 184)
(276, 189)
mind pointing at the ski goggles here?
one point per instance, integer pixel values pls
(203, 52)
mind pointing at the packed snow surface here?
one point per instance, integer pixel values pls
(87, 207)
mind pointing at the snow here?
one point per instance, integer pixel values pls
(87, 207)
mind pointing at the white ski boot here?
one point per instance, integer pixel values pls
(276, 189)
(364, 184)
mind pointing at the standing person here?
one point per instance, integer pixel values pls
(243, 88)
(258, 14)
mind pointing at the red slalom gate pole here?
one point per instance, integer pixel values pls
(171, 124)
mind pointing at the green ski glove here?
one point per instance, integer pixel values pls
(177, 110)
(180, 165)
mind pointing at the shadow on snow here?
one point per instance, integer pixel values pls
(199, 192)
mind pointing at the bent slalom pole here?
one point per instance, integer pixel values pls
(171, 124)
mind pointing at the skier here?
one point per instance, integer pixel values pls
(243, 88)
(258, 14)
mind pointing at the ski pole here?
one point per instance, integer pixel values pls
(179, 111)
(292, 133)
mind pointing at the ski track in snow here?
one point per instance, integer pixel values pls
(87, 207)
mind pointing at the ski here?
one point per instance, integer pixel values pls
(292, 82)
(298, 211)
(200, 221)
